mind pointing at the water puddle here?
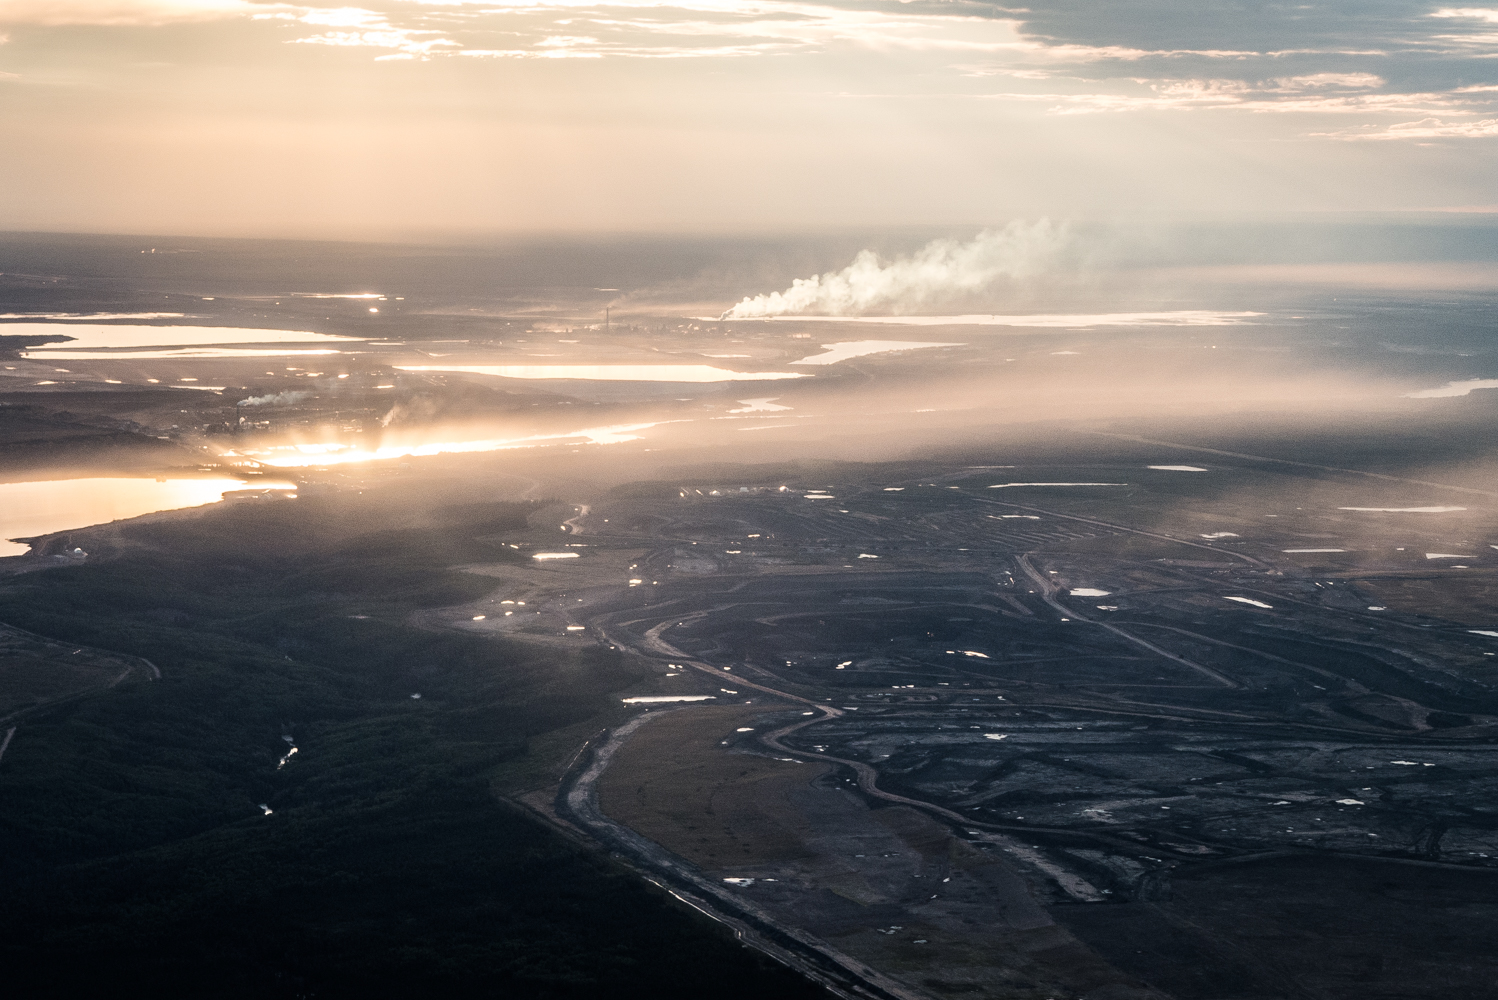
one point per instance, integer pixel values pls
(1005, 486)
(1249, 600)
(339, 295)
(1405, 510)
(656, 699)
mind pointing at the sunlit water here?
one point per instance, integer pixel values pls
(610, 373)
(102, 336)
(860, 348)
(182, 353)
(1249, 601)
(664, 698)
(1405, 510)
(40, 508)
(1005, 486)
(319, 454)
(1461, 388)
(92, 317)
(766, 404)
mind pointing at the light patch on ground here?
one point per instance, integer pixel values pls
(1249, 600)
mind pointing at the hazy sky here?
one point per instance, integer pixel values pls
(241, 116)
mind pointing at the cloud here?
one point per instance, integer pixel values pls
(941, 270)
(364, 29)
(1258, 26)
(674, 29)
(1474, 13)
(1341, 58)
(1317, 93)
(1425, 128)
(123, 12)
(1326, 81)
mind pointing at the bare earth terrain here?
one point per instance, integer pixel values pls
(1044, 741)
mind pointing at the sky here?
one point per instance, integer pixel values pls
(242, 117)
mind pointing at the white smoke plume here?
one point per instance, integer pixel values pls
(276, 399)
(943, 269)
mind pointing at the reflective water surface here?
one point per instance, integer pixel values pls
(856, 349)
(95, 336)
(39, 508)
(610, 373)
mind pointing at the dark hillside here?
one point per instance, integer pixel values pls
(135, 852)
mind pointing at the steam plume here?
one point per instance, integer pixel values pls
(276, 399)
(942, 269)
